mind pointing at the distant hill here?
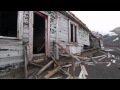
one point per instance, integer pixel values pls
(116, 30)
(112, 39)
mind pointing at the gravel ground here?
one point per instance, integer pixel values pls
(98, 70)
(101, 71)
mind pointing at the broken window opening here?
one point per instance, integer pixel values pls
(73, 33)
(39, 34)
(8, 23)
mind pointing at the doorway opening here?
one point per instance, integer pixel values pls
(39, 45)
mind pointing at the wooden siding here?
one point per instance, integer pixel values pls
(63, 35)
(11, 50)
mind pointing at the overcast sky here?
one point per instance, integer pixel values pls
(101, 21)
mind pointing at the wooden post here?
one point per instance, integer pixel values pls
(73, 68)
(25, 60)
(57, 52)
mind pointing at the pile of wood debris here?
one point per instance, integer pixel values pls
(64, 70)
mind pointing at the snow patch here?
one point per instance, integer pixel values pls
(114, 61)
(108, 64)
(113, 56)
(116, 39)
(118, 48)
(112, 34)
(109, 50)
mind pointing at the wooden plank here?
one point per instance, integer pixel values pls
(26, 39)
(48, 34)
(102, 58)
(67, 51)
(84, 70)
(62, 35)
(61, 40)
(62, 20)
(80, 75)
(5, 54)
(31, 20)
(57, 52)
(38, 61)
(25, 35)
(66, 66)
(69, 77)
(45, 67)
(64, 31)
(9, 60)
(52, 35)
(51, 73)
(10, 42)
(20, 25)
(99, 56)
(59, 65)
(63, 26)
(25, 61)
(26, 31)
(73, 68)
(11, 47)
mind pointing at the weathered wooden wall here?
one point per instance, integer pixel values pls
(63, 35)
(11, 50)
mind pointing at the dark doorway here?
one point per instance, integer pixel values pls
(8, 23)
(85, 47)
(39, 34)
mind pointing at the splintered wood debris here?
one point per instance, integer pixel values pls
(67, 71)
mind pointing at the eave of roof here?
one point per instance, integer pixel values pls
(70, 14)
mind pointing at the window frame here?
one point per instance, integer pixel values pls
(69, 36)
(19, 27)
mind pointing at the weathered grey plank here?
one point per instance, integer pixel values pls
(26, 31)
(10, 60)
(25, 35)
(11, 47)
(4, 54)
(13, 42)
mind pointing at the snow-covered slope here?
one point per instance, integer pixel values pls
(112, 39)
(112, 34)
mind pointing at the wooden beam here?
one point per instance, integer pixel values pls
(57, 52)
(73, 67)
(60, 66)
(69, 77)
(51, 73)
(67, 52)
(25, 60)
(44, 68)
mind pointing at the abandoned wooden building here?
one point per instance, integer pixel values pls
(37, 30)
(96, 41)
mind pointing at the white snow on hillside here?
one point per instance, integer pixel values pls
(112, 34)
(116, 39)
(109, 49)
(117, 48)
